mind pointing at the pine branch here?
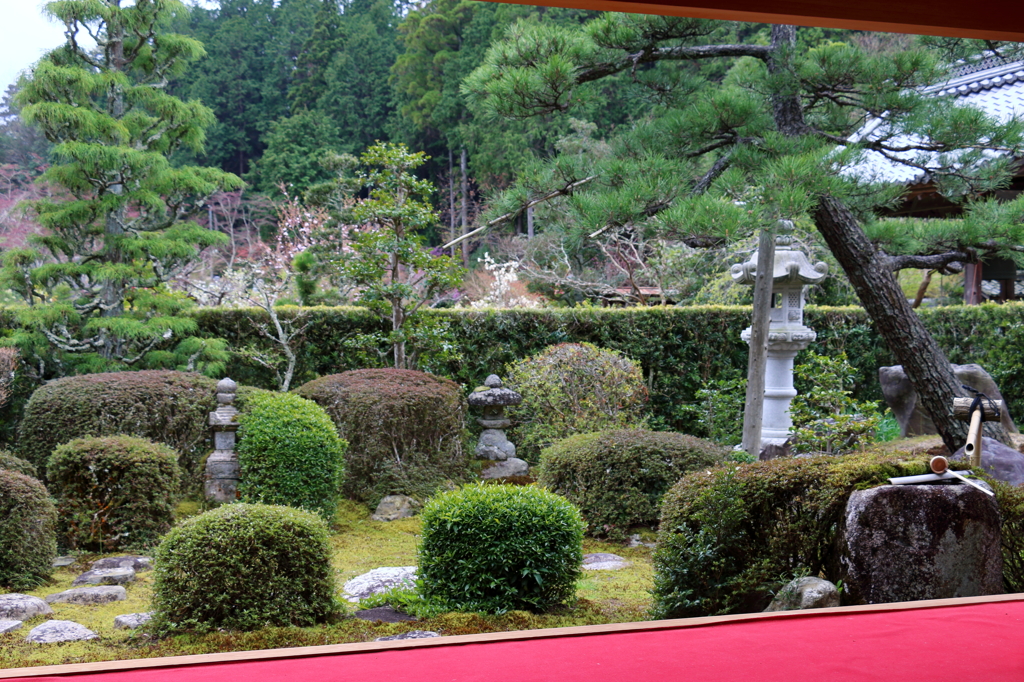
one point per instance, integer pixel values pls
(679, 53)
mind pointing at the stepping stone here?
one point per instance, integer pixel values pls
(384, 614)
(379, 580)
(89, 595)
(62, 561)
(136, 563)
(53, 631)
(9, 625)
(603, 561)
(130, 621)
(22, 606)
(106, 576)
(412, 634)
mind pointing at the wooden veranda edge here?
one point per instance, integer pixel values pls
(456, 640)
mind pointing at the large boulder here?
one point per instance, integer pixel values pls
(805, 593)
(379, 580)
(89, 595)
(106, 576)
(1002, 463)
(54, 631)
(394, 507)
(902, 399)
(905, 543)
(22, 606)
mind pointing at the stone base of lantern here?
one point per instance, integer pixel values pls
(222, 475)
(783, 345)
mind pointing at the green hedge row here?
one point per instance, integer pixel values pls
(679, 348)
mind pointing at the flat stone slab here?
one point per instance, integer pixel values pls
(603, 561)
(412, 634)
(136, 563)
(379, 580)
(101, 594)
(106, 576)
(130, 621)
(9, 625)
(385, 614)
(53, 631)
(62, 561)
(22, 606)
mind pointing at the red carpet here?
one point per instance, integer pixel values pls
(983, 642)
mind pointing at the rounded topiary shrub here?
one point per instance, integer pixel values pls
(27, 531)
(495, 548)
(405, 430)
(164, 406)
(617, 478)
(244, 567)
(290, 453)
(113, 492)
(12, 463)
(573, 388)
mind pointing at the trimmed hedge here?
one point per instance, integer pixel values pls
(27, 532)
(730, 535)
(573, 388)
(164, 406)
(113, 492)
(12, 463)
(405, 430)
(244, 567)
(290, 453)
(617, 478)
(495, 548)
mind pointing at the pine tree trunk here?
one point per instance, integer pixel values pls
(924, 362)
(465, 209)
(451, 195)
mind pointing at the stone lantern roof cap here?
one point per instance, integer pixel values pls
(492, 394)
(791, 267)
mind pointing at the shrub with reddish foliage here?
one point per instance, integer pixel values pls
(405, 429)
(164, 406)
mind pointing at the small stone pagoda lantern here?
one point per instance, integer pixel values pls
(787, 334)
(492, 399)
(222, 469)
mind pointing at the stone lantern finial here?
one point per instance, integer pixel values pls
(787, 335)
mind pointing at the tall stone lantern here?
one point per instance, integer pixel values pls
(787, 334)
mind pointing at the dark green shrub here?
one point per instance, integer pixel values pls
(27, 531)
(113, 492)
(495, 548)
(1011, 525)
(405, 430)
(573, 388)
(730, 535)
(12, 463)
(163, 406)
(290, 453)
(617, 478)
(244, 567)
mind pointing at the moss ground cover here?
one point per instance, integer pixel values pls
(359, 545)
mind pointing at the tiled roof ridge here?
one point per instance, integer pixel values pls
(984, 79)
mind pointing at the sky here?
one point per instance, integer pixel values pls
(24, 36)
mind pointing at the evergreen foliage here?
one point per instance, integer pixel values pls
(244, 567)
(164, 406)
(16, 464)
(113, 492)
(495, 548)
(617, 478)
(573, 388)
(290, 453)
(28, 542)
(405, 430)
(93, 282)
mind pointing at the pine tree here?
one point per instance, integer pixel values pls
(772, 136)
(94, 284)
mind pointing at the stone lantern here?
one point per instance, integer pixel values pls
(222, 468)
(491, 399)
(787, 334)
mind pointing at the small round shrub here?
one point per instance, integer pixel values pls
(496, 548)
(573, 388)
(113, 492)
(163, 406)
(27, 531)
(290, 453)
(244, 567)
(12, 463)
(617, 478)
(405, 430)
